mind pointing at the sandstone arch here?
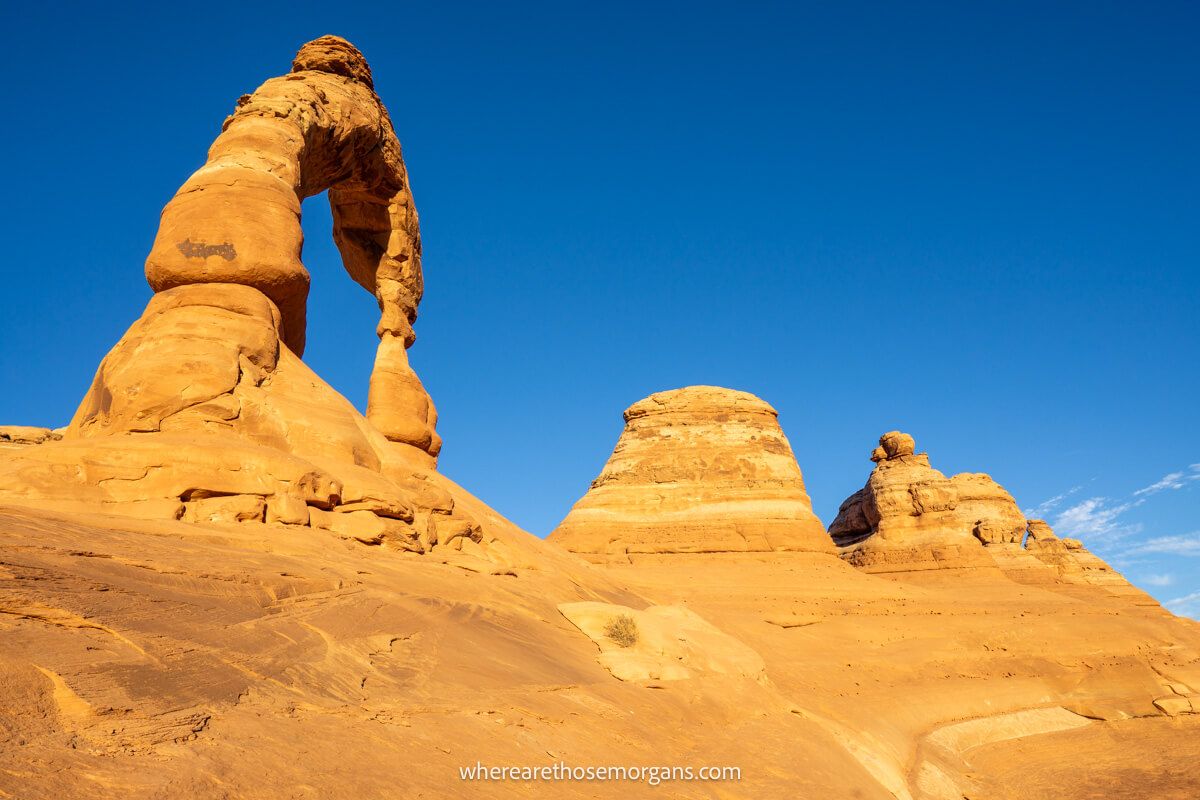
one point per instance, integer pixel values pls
(236, 220)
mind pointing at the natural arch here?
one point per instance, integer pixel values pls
(237, 219)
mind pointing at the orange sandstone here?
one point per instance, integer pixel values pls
(221, 580)
(699, 469)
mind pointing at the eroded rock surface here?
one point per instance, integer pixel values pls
(203, 411)
(223, 581)
(696, 470)
(1070, 559)
(13, 436)
(909, 513)
(910, 517)
(236, 220)
(668, 643)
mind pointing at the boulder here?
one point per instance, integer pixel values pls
(227, 509)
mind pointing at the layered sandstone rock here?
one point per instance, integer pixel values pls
(1070, 559)
(204, 411)
(268, 629)
(696, 470)
(160, 659)
(13, 436)
(910, 516)
(236, 220)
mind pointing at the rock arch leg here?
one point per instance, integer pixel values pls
(236, 220)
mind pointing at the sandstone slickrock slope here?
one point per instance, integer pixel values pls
(223, 581)
(937, 636)
(699, 469)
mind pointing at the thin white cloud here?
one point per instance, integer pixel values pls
(1097, 519)
(1187, 544)
(1188, 605)
(1046, 507)
(1100, 522)
(1158, 580)
(1173, 480)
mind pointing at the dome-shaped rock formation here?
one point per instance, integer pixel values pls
(696, 470)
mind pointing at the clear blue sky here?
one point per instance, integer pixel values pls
(976, 222)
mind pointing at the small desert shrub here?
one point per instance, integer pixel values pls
(623, 630)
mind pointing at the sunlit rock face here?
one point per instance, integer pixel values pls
(697, 470)
(1070, 559)
(236, 220)
(908, 514)
(204, 411)
(223, 581)
(910, 518)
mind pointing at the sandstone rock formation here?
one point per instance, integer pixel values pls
(222, 581)
(1070, 558)
(910, 517)
(150, 659)
(696, 470)
(203, 411)
(13, 436)
(237, 219)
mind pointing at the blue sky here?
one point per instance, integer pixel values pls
(976, 222)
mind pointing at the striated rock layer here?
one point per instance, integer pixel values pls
(908, 514)
(911, 517)
(696, 470)
(14, 436)
(1069, 558)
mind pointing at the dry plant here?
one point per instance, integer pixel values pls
(623, 630)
